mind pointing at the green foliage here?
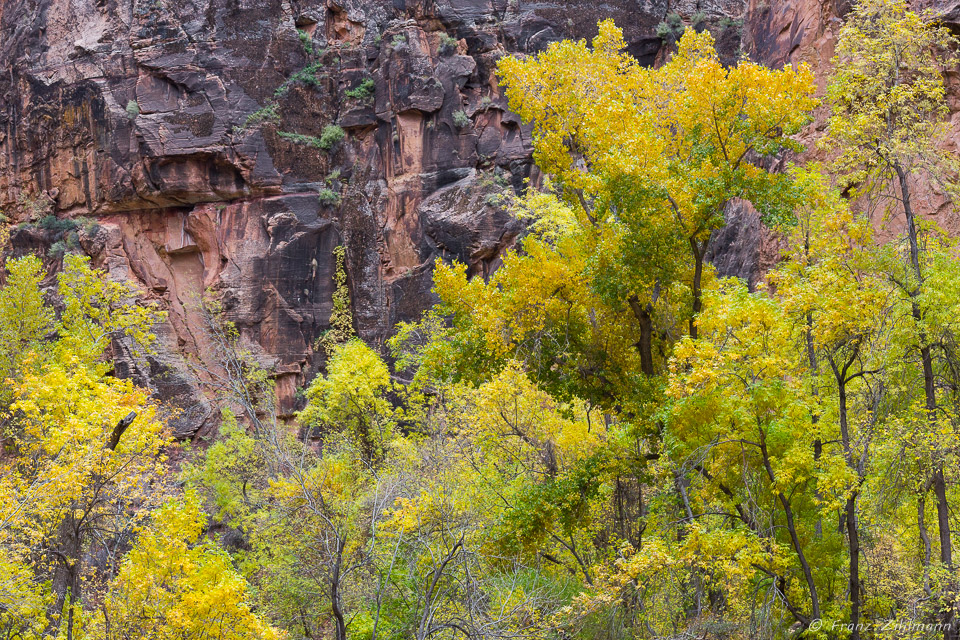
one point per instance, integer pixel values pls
(268, 114)
(350, 399)
(306, 41)
(306, 76)
(887, 94)
(461, 119)
(341, 318)
(591, 435)
(53, 223)
(36, 207)
(671, 28)
(729, 23)
(398, 40)
(447, 42)
(328, 197)
(331, 136)
(86, 474)
(363, 91)
(174, 584)
(299, 138)
(133, 109)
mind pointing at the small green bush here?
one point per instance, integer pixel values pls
(328, 197)
(133, 109)
(671, 29)
(363, 91)
(53, 223)
(332, 134)
(399, 39)
(447, 42)
(306, 41)
(729, 23)
(269, 113)
(307, 75)
(299, 138)
(90, 226)
(461, 119)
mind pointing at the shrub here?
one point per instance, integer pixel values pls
(90, 227)
(328, 197)
(133, 109)
(671, 29)
(363, 91)
(306, 41)
(729, 23)
(332, 134)
(461, 119)
(269, 113)
(299, 138)
(447, 42)
(307, 75)
(399, 39)
(51, 222)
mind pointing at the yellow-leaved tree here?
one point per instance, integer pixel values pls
(85, 454)
(173, 585)
(887, 92)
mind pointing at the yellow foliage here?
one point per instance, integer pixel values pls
(175, 586)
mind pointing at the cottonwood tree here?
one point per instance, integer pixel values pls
(887, 93)
(649, 158)
(85, 465)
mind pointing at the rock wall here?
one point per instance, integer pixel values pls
(188, 141)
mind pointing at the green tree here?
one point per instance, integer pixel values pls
(887, 93)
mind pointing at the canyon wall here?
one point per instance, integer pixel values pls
(189, 146)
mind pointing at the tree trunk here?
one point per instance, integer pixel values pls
(853, 532)
(853, 538)
(335, 601)
(645, 344)
(939, 482)
(794, 537)
(925, 540)
(66, 576)
(698, 255)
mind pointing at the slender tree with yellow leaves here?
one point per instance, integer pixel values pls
(888, 98)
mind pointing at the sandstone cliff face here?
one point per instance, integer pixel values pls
(191, 139)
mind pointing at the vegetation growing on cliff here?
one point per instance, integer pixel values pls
(603, 440)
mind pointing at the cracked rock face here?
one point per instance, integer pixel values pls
(198, 135)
